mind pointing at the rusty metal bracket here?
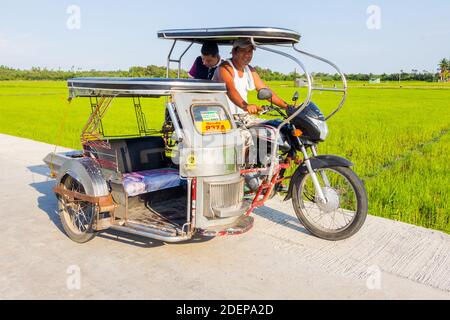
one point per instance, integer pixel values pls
(105, 203)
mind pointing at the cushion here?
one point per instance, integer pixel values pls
(136, 183)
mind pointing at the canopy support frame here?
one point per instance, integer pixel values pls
(93, 128)
(169, 58)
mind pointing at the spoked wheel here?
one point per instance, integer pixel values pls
(76, 216)
(345, 210)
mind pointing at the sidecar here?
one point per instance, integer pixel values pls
(165, 184)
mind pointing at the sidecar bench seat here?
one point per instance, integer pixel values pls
(143, 164)
(136, 183)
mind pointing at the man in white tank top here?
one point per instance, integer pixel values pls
(239, 78)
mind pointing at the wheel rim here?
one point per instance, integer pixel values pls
(78, 214)
(339, 212)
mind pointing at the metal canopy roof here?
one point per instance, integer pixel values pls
(226, 36)
(132, 87)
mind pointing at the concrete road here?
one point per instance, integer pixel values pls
(277, 259)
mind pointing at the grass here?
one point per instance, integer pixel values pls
(398, 138)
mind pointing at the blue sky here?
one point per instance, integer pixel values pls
(119, 34)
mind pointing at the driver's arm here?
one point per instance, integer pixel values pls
(233, 94)
(259, 84)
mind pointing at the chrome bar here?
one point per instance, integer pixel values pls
(174, 118)
(344, 80)
(181, 57)
(300, 108)
(169, 59)
(322, 173)
(151, 233)
(308, 78)
(315, 181)
(329, 89)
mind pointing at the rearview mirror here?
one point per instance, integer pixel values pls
(264, 94)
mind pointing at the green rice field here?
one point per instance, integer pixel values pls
(396, 134)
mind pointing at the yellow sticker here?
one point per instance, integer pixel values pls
(216, 126)
(191, 162)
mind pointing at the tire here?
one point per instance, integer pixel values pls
(69, 213)
(305, 204)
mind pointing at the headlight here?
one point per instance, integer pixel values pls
(322, 126)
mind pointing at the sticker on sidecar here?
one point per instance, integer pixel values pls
(216, 126)
(191, 162)
(209, 116)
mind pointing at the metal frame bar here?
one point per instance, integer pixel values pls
(93, 129)
(343, 78)
(267, 185)
(152, 233)
(94, 105)
(302, 105)
(169, 58)
(310, 89)
(105, 203)
(140, 117)
(174, 118)
(95, 120)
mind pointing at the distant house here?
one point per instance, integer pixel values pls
(374, 80)
(301, 82)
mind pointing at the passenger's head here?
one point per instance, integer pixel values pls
(243, 51)
(210, 54)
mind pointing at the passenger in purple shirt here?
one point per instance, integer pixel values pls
(206, 64)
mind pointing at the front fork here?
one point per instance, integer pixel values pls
(315, 181)
(322, 172)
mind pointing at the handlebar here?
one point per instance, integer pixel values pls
(266, 109)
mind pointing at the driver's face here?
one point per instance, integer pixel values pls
(244, 55)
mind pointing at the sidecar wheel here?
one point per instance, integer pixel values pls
(344, 213)
(76, 216)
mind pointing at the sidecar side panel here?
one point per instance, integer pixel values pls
(207, 154)
(88, 173)
(55, 161)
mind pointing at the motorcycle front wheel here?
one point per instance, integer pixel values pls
(345, 210)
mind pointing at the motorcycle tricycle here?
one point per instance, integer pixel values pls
(190, 177)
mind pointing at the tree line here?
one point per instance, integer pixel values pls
(36, 73)
(266, 74)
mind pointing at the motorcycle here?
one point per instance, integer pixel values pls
(328, 197)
